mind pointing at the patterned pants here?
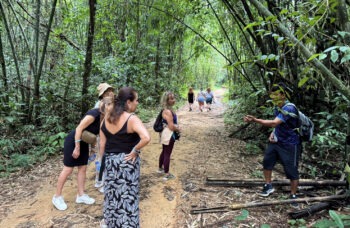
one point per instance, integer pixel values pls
(121, 200)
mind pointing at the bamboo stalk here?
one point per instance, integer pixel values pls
(268, 203)
(259, 182)
(277, 202)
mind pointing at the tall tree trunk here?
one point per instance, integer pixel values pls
(88, 57)
(343, 89)
(39, 63)
(4, 74)
(31, 69)
(19, 84)
(35, 103)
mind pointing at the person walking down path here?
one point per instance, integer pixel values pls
(284, 143)
(209, 98)
(190, 98)
(201, 99)
(170, 133)
(76, 154)
(122, 136)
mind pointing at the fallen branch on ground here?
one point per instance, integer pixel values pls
(258, 182)
(268, 203)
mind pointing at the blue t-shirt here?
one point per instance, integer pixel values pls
(285, 132)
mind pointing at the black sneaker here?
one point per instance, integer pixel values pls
(294, 204)
(267, 190)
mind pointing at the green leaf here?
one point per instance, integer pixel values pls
(344, 49)
(251, 25)
(336, 218)
(313, 56)
(342, 34)
(302, 82)
(322, 56)
(345, 58)
(263, 57)
(284, 11)
(271, 56)
(265, 226)
(334, 56)
(325, 223)
(244, 215)
(280, 39)
(330, 49)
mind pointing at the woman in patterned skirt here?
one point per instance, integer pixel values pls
(122, 136)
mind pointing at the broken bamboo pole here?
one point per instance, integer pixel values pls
(268, 203)
(259, 182)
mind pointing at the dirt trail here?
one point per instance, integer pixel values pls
(203, 150)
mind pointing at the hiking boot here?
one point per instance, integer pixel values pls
(168, 176)
(85, 199)
(59, 203)
(294, 204)
(160, 170)
(267, 190)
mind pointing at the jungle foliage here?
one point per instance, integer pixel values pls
(53, 54)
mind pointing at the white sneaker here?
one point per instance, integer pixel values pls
(101, 189)
(160, 170)
(59, 203)
(168, 176)
(98, 184)
(85, 199)
(102, 224)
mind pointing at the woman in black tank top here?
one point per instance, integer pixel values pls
(122, 136)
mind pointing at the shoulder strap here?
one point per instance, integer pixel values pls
(129, 117)
(293, 115)
(290, 113)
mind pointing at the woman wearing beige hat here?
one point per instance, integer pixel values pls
(76, 153)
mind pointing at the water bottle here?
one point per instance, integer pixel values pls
(92, 158)
(98, 167)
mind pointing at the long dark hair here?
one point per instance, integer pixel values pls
(120, 103)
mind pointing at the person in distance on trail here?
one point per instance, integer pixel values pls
(76, 154)
(284, 141)
(190, 98)
(122, 136)
(209, 97)
(170, 133)
(201, 99)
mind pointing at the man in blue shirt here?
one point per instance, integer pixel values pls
(284, 143)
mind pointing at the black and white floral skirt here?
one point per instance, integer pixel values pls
(121, 200)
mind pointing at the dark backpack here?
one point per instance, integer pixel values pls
(158, 124)
(305, 125)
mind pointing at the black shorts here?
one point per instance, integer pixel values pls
(288, 155)
(69, 145)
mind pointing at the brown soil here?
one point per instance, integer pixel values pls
(203, 150)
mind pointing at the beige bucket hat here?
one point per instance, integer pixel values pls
(102, 88)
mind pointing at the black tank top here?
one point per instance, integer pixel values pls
(120, 142)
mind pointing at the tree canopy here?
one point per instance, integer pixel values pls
(53, 54)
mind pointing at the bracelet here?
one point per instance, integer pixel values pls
(78, 140)
(135, 150)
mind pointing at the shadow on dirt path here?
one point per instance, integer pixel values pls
(203, 150)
